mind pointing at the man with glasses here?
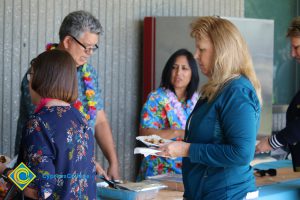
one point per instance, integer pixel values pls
(290, 135)
(79, 34)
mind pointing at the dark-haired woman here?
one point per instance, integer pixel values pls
(167, 109)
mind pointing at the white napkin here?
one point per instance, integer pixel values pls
(145, 151)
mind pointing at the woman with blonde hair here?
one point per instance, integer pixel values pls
(220, 134)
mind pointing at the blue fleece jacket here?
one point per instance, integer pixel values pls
(222, 134)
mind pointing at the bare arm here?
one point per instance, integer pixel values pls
(104, 139)
(166, 133)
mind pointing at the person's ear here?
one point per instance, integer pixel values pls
(67, 42)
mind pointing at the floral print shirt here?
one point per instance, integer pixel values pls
(163, 110)
(58, 147)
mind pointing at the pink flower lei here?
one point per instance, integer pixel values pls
(178, 107)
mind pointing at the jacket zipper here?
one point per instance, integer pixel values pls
(188, 127)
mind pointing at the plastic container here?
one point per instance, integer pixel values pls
(145, 190)
(173, 181)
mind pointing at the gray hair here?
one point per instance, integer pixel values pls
(78, 22)
(294, 28)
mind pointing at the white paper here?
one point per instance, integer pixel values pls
(145, 151)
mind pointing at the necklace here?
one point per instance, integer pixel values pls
(182, 113)
(42, 103)
(89, 90)
(49, 102)
(90, 96)
(51, 46)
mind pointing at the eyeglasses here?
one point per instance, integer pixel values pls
(294, 27)
(86, 49)
(28, 75)
(262, 172)
(29, 72)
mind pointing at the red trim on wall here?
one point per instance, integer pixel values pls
(149, 56)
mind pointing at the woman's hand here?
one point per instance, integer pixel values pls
(263, 146)
(175, 149)
(33, 193)
(179, 133)
(100, 170)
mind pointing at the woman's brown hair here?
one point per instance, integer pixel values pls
(54, 76)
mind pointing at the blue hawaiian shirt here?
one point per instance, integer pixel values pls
(163, 110)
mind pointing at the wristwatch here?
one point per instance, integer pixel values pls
(4, 174)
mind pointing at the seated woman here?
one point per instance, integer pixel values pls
(167, 109)
(57, 143)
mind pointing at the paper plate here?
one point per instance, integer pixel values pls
(153, 140)
(4, 159)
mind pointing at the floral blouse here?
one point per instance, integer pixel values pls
(163, 110)
(58, 147)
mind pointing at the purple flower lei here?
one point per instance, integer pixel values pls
(178, 107)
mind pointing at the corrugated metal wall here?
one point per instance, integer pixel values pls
(27, 25)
